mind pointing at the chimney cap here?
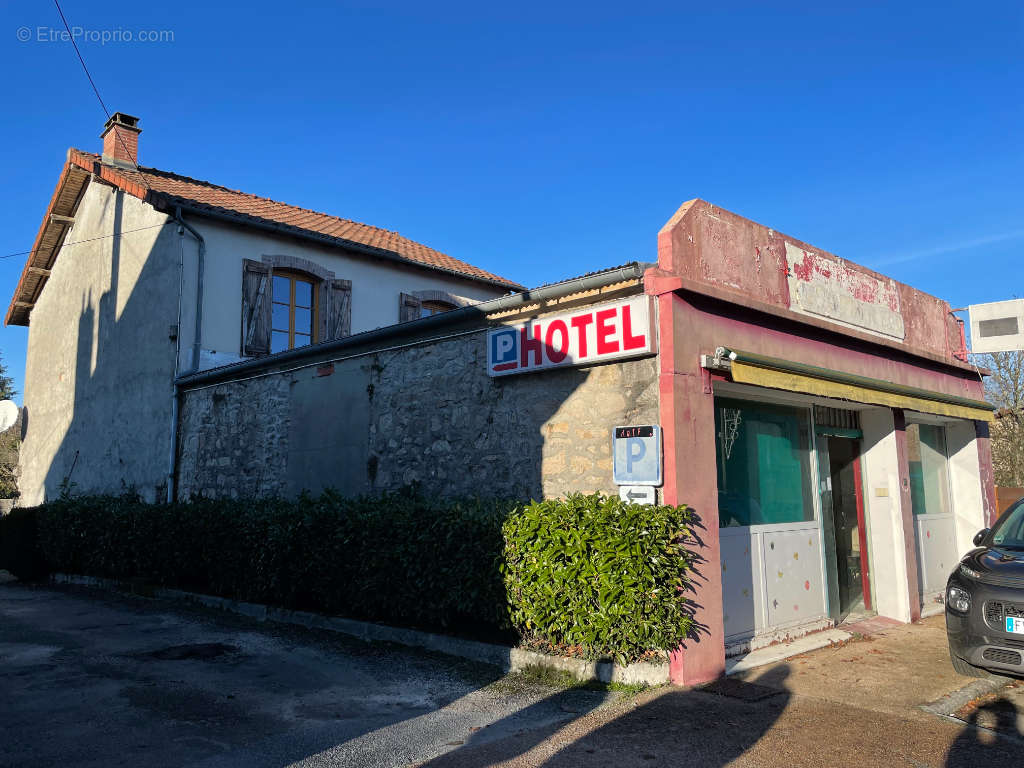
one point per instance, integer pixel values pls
(123, 120)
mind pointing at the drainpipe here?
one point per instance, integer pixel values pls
(199, 286)
(172, 459)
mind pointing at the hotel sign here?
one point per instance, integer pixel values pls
(595, 334)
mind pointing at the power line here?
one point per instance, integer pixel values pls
(87, 240)
(97, 91)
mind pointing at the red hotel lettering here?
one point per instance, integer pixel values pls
(604, 330)
(557, 355)
(528, 345)
(580, 323)
(629, 341)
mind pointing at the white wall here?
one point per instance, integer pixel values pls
(965, 483)
(376, 283)
(890, 595)
(100, 354)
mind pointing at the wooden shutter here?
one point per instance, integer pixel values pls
(409, 308)
(339, 309)
(255, 308)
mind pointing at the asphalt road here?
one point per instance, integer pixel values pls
(89, 678)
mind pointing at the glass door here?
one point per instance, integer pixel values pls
(843, 529)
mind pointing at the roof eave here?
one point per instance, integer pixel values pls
(163, 202)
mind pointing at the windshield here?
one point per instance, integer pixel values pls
(1009, 531)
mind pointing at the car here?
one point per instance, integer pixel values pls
(985, 601)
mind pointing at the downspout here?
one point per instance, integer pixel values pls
(172, 460)
(175, 391)
(197, 342)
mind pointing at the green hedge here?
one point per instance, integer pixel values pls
(589, 571)
(599, 574)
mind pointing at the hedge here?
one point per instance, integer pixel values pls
(589, 572)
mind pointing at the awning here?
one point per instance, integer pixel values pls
(748, 368)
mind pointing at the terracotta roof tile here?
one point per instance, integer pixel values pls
(194, 192)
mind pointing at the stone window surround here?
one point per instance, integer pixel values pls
(298, 264)
(445, 296)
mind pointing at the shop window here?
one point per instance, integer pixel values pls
(926, 457)
(764, 468)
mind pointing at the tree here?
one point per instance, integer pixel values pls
(7, 391)
(9, 442)
(1005, 389)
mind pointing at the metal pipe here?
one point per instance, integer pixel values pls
(466, 314)
(173, 457)
(201, 261)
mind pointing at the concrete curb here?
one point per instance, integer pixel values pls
(508, 659)
(953, 702)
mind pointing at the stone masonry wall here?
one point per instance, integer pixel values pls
(434, 418)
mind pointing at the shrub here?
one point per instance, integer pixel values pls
(19, 549)
(587, 571)
(598, 573)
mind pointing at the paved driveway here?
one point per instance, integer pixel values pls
(89, 678)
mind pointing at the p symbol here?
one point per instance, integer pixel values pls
(635, 451)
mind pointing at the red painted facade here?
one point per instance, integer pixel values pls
(723, 280)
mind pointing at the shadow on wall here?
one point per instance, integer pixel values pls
(117, 437)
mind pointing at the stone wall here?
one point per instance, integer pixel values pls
(427, 413)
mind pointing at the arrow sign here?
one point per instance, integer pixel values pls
(637, 494)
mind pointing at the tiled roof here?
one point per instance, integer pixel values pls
(182, 189)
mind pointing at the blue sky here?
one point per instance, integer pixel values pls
(543, 141)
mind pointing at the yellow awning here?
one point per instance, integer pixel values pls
(777, 378)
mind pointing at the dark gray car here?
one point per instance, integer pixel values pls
(985, 600)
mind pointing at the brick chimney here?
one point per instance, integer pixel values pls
(121, 140)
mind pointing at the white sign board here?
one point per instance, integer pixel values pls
(636, 455)
(997, 326)
(594, 334)
(637, 494)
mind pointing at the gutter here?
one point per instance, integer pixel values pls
(462, 315)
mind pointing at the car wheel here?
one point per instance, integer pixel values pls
(964, 668)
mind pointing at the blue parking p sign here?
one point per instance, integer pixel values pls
(636, 455)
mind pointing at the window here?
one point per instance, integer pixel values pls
(926, 456)
(293, 311)
(428, 308)
(764, 466)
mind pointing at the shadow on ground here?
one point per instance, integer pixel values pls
(709, 726)
(979, 743)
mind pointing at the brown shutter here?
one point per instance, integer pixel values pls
(339, 308)
(255, 308)
(409, 308)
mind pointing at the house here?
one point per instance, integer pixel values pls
(139, 275)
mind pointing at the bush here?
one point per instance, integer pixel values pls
(598, 573)
(19, 548)
(588, 571)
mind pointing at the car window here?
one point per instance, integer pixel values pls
(1009, 530)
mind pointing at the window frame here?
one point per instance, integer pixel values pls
(293, 276)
